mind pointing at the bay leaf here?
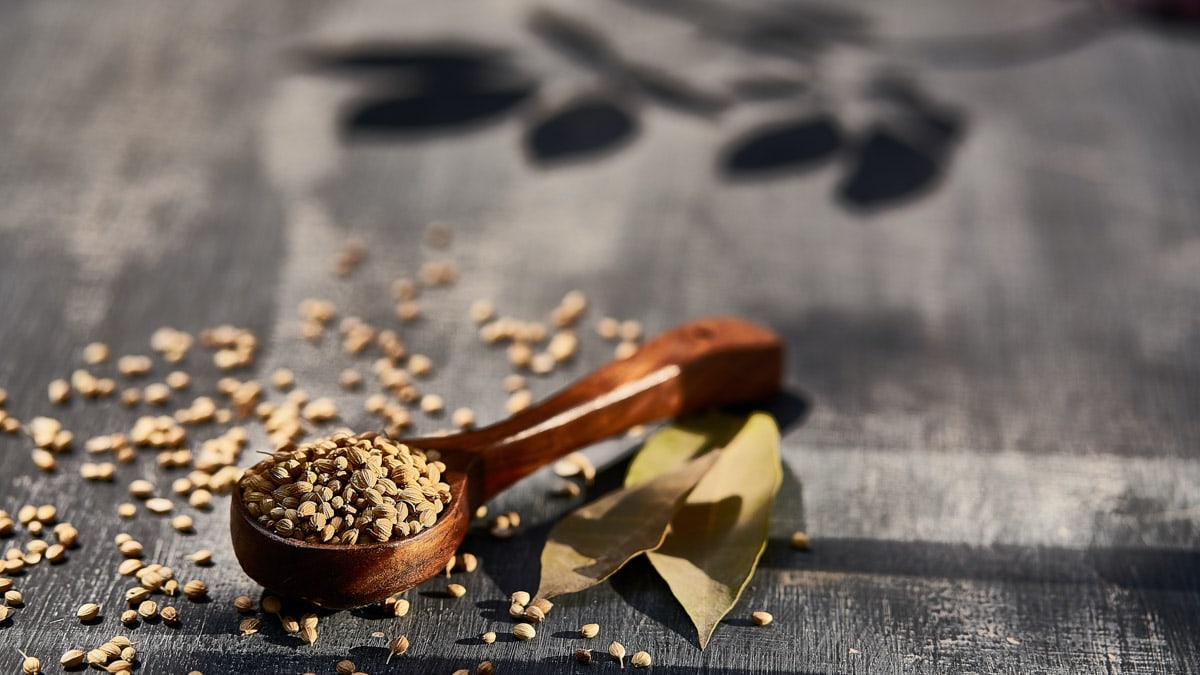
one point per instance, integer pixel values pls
(675, 445)
(719, 533)
(598, 538)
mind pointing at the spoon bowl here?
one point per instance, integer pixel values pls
(701, 364)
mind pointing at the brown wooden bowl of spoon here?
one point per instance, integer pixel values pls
(701, 364)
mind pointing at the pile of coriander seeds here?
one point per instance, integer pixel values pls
(346, 489)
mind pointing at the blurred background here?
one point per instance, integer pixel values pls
(973, 223)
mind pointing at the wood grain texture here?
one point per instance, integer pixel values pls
(973, 224)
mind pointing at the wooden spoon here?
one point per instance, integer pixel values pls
(700, 364)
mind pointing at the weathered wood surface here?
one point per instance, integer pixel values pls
(977, 235)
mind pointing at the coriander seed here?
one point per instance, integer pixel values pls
(617, 651)
(72, 658)
(583, 656)
(13, 598)
(345, 667)
(761, 618)
(535, 614)
(485, 668)
(401, 607)
(456, 590)
(289, 624)
(488, 637)
(195, 590)
(129, 618)
(524, 631)
(170, 615)
(243, 604)
(800, 541)
(589, 630)
(640, 660)
(97, 657)
(203, 557)
(159, 505)
(397, 647)
(182, 523)
(126, 510)
(88, 612)
(249, 626)
(148, 609)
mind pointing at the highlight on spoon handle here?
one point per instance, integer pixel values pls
(701, 364)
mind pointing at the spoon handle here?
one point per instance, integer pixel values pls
(700, 364)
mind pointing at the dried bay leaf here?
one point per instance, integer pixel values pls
(595, 540)
(720, 531)
(673, 446)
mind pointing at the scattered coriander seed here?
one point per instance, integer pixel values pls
(488, 637)
(401, 607)
(283, 379)
(640, 660)
(129, 617)
(121, 641)
(589, 630)
(397, 647)
(141, 489)
(97, 657)
(535, 615)
(131, 549)
(200, 499)
(520, 598)
(481, 311)
(6, 584)
(95, 352)
(182, 523)
(468, 562)
(156, 393)
(456, 590)
(761, 618)
(126, 510)
(3, 613)
(43, 459)
(541, 363)
(289, 624)
(513, 383)
(463, 418)
(345, 667)
(271, 604)
(431, 404)
(524, 631)
(129, 653)
(72, 658)
(419, 365)
(617, 651)
(129, 567)
(249, 626)
(148, 609)
(46, 513)
(516, 611)
(59, 391)
(461, 671)
(542, 604)
(800, 541)
(608, 328)
(485, 668)
(88, 612)
(518, 401)
(119, 666)
(170, 615)
(202, 557)
(243, 604)
(408, 310)
(583, 656)
(137, 595)
(308, 620)
(30, 665)
(13, 598)
(56, 553)
(625, 349)
(195, 590)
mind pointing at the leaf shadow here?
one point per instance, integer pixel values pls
(904, 155)
(783, 147)
(587, 127)
(423, 88)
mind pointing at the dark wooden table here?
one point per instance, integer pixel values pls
(974, 223)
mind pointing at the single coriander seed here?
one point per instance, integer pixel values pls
(617, 651)
(88, 612)
(456, 590)
(524, 631)
(583, 655)
(640, 660)
(589, 630)
(761, 618)
(488, 637)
